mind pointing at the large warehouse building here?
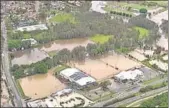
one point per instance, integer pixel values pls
(76, 76)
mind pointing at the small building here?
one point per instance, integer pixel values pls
(131, 75)
(33, 41)
(165, 57)
(76, 76)
(33, 27)
(161, 65)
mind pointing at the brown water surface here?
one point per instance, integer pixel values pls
(41, 85)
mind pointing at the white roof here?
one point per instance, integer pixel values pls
(69, 71)
(63, 91)
(33, 27)
(52, 103)
(83, 81)
(160, 64)
(129, 74)
(165, 57)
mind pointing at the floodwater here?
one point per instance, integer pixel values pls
(37, 54)
(95, 68)
(120, 61)
(28, 56)
(105, 67)
(41, 85)
(69, 44)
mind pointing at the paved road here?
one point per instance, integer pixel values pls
(130, 100)
(124, 93)
(5, 63)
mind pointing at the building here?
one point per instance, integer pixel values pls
(131, 75)
(33, 27)
(163, 66)
(165, 57)
(76, 76)
(33, 41)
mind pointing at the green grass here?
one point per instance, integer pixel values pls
(20, 89)
(63, 17)
(160, 2)
(26, 36)
(152, 80)
(143, 32)
(60, 68)
(109, 8)
(99, 38)
(52, 53)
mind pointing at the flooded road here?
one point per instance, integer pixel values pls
(41, 85)
(37, 54)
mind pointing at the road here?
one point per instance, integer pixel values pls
(130, 100)
(132, 90)
(5, 63)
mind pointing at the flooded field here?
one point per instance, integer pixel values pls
(37, 54)
(28, 56)
(96, 69)
(120, 62)
(38, 86)
(69, 44)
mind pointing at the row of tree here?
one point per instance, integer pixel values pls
(89, 24)
(121, 13)
(157, 101)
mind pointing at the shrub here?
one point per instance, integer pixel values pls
(143, 10)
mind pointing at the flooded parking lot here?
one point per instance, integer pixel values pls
(42, 85)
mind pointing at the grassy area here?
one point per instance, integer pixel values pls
(109, 8)
(26, 36)
(143, 32)
(63, 17)
(105, 97)
(60, 68)
(152, 80)
(160, 2)
(99, 38)
(21, 90)
(52, 53)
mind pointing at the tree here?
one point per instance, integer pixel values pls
(41, 68)
(143, 10)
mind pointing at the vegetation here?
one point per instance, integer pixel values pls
(143, 10)
(20, 89)
(159, 100)
(149, 88)
(63, 17)
(59, 68)
(142, 32)
(117, 100)
(100, 38)
(164, 27)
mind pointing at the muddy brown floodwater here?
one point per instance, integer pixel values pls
(41, 85)
(28, 56)
(69, 44)
(37, 54)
